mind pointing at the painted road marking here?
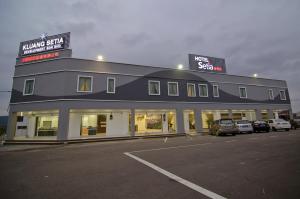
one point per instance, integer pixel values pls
(187, 183)
(172, 147)
(230, 141)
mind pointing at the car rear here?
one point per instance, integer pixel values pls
(282, 124)
(227, 126)
(259, 126)
(244, 126)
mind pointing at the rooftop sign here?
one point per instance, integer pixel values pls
(44, 44)
(207, 64)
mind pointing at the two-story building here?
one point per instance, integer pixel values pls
(57, 97)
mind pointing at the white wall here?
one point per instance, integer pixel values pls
(119, 125)
(31, 126)
(74, 125)
(186, 121)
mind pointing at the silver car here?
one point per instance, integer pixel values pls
(244, 126)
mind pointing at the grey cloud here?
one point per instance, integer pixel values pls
(134, 39)
(253, 36)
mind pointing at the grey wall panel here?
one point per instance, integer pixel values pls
(63, 85)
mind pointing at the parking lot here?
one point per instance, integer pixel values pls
(260, 165)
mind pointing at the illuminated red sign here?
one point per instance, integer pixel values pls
(40, 57)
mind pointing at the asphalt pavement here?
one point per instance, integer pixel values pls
(265, 165)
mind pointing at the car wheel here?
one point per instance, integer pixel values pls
(233, 134)
(274, 129)
(287, 129)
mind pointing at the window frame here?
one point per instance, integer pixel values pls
(281, 95)
(216, 85)
(187, 89)
(177, 88)
(240, 87)
(149, 90)
(271, 98)
(200, 90)
(78, 77)
(24, 87)
(107, 84)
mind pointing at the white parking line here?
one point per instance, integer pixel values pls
(172, 147)
(187, 183)
(230, 141)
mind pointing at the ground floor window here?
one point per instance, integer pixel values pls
(155, 122)
(46, 125)
(93, 124)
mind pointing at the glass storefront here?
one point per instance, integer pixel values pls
(155, 122)
(93, 124)
(46, 125)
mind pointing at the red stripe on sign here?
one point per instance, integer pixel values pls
(39, 57)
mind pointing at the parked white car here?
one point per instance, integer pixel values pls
(244, 126)
(278, 124)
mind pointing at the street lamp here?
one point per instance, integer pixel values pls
(180, 66)
(100, 58)
(255, 75)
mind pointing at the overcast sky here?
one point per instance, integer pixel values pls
(254, 36)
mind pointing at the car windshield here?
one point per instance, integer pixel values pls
(242, 122)
(226, 122)
(279, 120)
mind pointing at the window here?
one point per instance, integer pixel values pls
(173, 89)
(243, 92)
(154, 87)
(28, 87)
(111, 85)
(282, 95)
(191, 90)
(216, 90)
(203, 92)
(271, 95)
(84, 84)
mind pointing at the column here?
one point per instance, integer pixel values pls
(230, 114)
(198, 120)
(132, 122)
(291, 114)
(270, 114)
(11, 125)
(179, 120)
(258, 114)
(63, 124)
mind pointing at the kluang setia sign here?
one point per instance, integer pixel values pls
(44, 44)
(207, 64)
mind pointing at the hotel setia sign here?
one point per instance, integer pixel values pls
(207, 64)
(44, 44)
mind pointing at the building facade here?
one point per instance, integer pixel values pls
(65, 98)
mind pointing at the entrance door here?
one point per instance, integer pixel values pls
(101, 121)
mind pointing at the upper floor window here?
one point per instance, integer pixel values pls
(216, 90)
(173, 89)
(153, 87)
(271, 95)
(111, 85)
(282, 94)
(191, 90)
(28, 87)
(203, 91)
(85, 84)
(243, 92)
